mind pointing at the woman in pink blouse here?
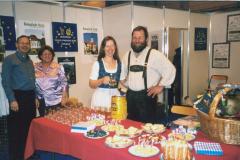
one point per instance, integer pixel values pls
(51, 83)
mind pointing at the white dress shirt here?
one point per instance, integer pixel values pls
(159, 70)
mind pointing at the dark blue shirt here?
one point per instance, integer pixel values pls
(17, 74)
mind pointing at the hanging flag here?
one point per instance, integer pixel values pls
(64, 37)
(7, 24)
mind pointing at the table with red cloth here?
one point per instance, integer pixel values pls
(48, 135)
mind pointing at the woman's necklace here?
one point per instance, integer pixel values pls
(110, 63)
(45, 67)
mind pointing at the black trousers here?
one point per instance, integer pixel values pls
(19, 122)
(140, 106)
(43, 110)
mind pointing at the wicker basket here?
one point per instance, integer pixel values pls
(219, 129)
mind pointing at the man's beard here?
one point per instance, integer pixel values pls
(138, 48)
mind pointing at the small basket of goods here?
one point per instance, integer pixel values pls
(73, 102)
(220, 120)
(153, 128)
(118, 142)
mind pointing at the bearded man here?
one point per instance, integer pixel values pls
(147, 71)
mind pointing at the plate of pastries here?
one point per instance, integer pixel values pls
(153, 138)
(182, 136)
(130, 132)
(153, 128)
(118, 142)
(112, 127)
(143, 150)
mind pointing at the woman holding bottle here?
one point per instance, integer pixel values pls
(106, 74)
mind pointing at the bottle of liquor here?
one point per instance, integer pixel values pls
(224, 101)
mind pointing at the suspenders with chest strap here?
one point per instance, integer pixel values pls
(138, 68)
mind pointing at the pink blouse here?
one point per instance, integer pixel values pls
(50, 82)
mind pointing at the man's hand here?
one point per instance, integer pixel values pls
(14, 106)
(63, 101)
(154, 90)
(64, 98)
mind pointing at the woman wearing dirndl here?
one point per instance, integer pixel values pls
(106, 74)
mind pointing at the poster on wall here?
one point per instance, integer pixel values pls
(7, 33)
(90, 40)
(221, 55)
(233, 27)
(156, 40)
(38, 33)
(200, 39)
(64, 37)
(69, 68)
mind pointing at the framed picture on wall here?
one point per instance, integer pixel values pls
(38, 33)
(200, 39)
(69, 68)
(221, 55)
(233, 27)
(156, 40)
(90, 43)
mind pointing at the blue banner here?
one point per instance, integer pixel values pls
(7, 24)
(64, 37)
